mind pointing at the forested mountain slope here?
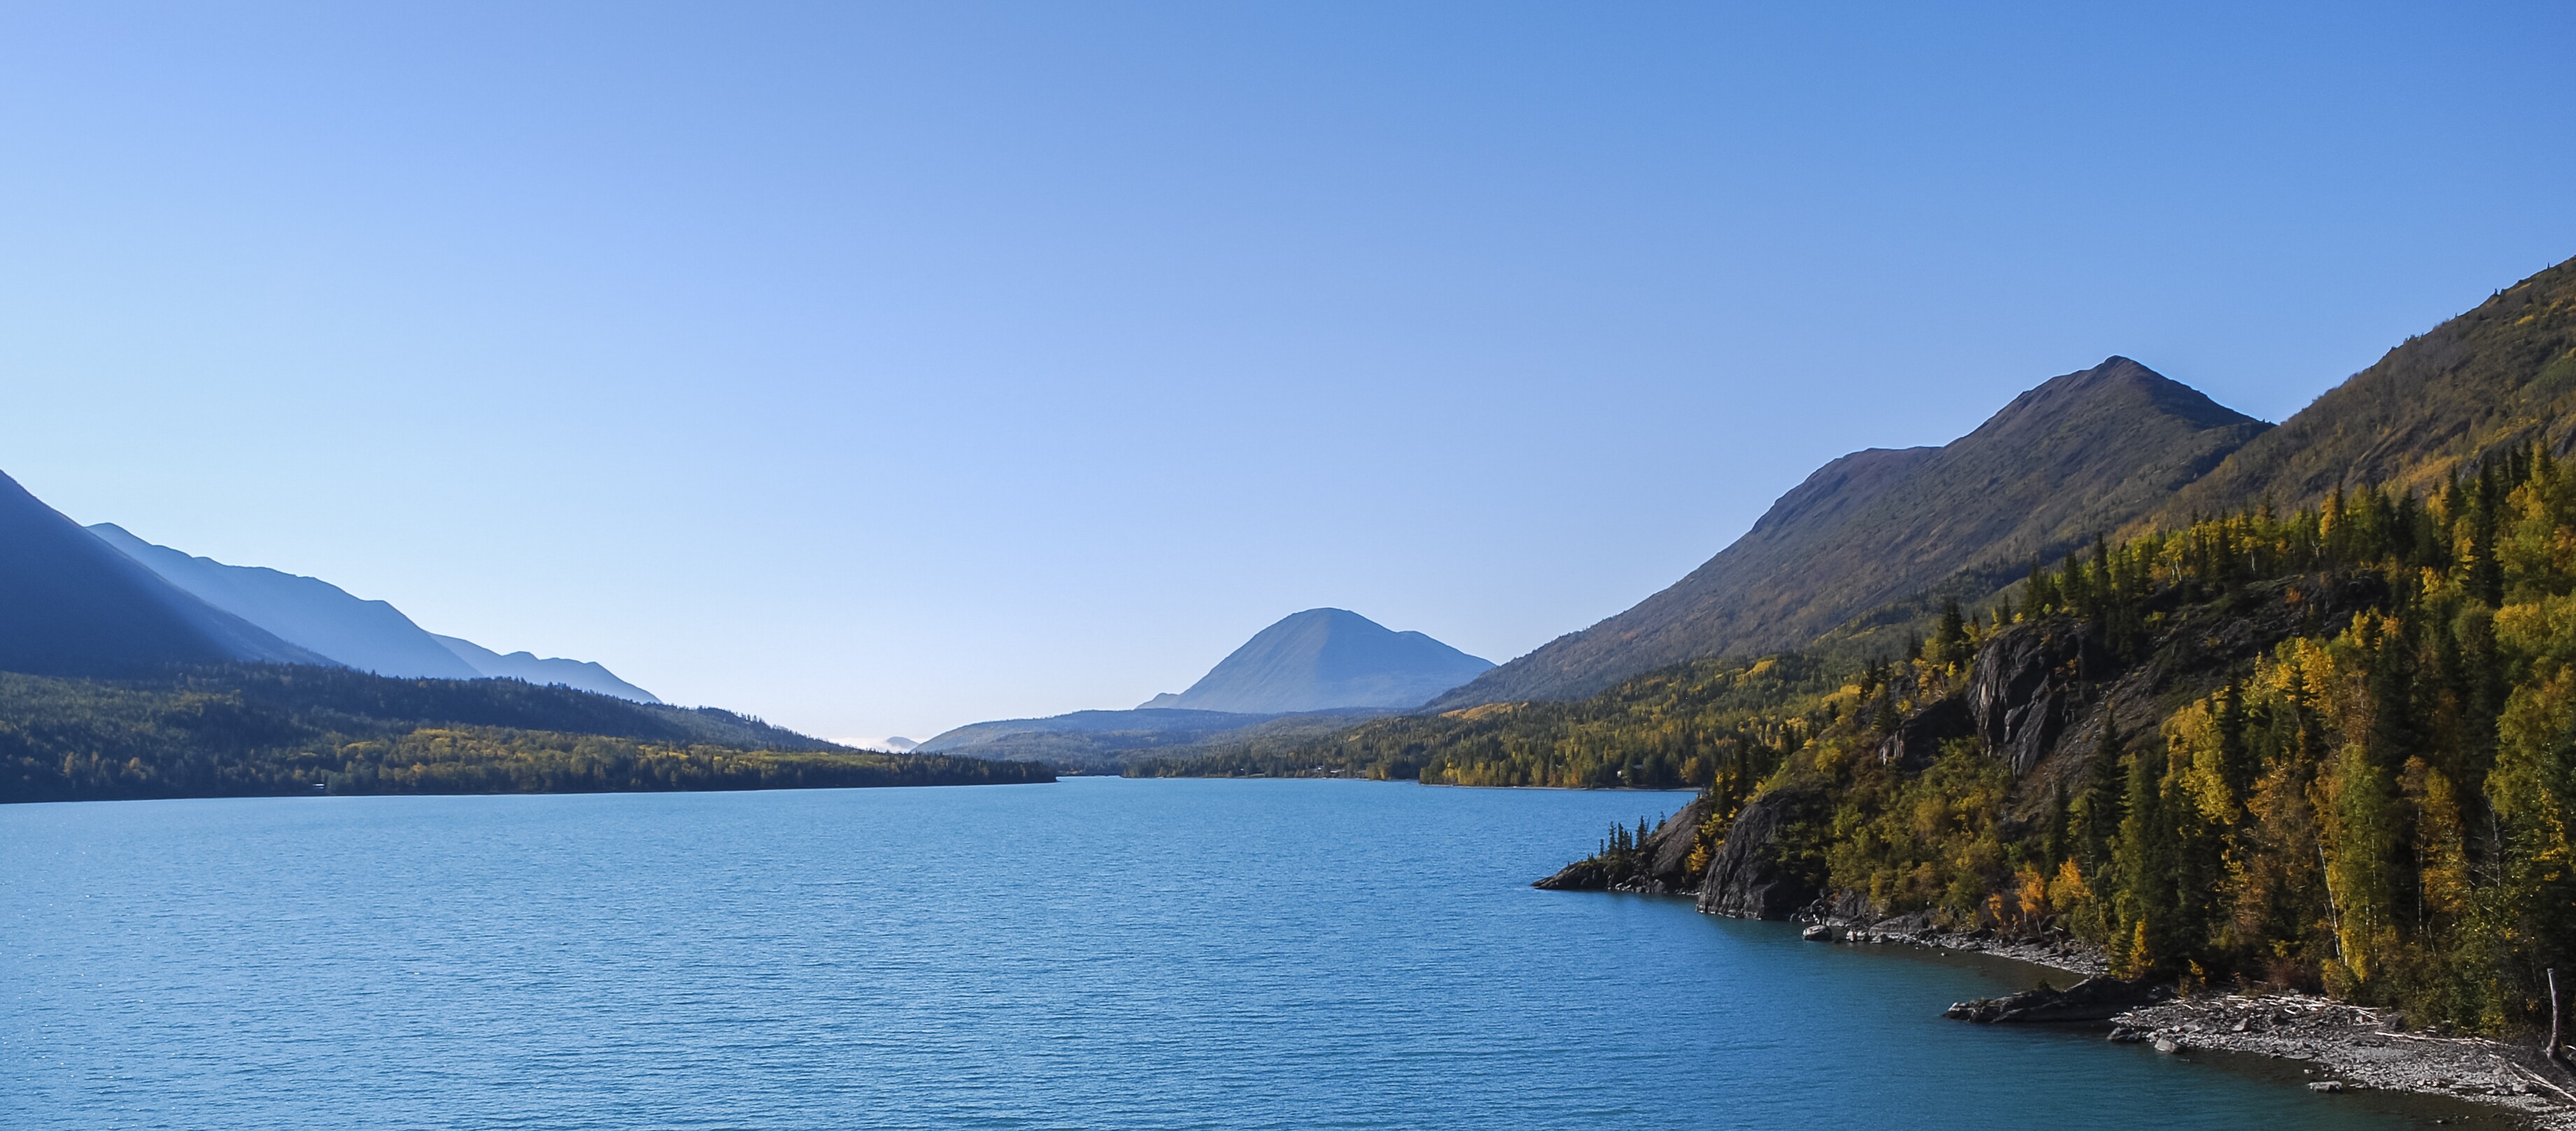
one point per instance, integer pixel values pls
(2328, 745)
(2080, 454)
(2496, 378)
(2327, 749)
(71, 605)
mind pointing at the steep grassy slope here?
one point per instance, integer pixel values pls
(2497, 377)
(2080, 454)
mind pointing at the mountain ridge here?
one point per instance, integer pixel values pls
(71, 605)
(331, 622)
(584, 675)
(312, 613)
(2491, 378)
(2077, 455)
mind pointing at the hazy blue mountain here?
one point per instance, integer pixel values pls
(1322, 668)
(578, 674)
(370, 636)
(71, 605)
(1323, 659)
(324, 619)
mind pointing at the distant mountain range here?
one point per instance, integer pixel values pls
(371, 636)
(1312, 671)
(130, 671)
(100, 601)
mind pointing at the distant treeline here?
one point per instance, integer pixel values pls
(1693, 725)
(252, 730)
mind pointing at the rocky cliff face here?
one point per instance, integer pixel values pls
(2036, 697)
(1918, 737)
(1660, 866)
(2024, 688)
(1757, 873)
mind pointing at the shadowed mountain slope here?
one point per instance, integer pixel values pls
(2501, 375)
(2081, 454)
(370, 636)
(72, 605)
(1323, 659)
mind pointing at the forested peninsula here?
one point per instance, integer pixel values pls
(238, 730)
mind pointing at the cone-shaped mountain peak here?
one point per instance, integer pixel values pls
(1326, 658)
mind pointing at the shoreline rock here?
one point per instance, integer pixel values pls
(2093, 999)
(2057, 952)
(2347, 1046)
(2350, 1047)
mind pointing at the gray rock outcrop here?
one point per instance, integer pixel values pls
(1755, 874)
(2093, 999)
(2023, 690)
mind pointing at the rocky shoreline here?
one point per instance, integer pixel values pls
(2350, 1046)
(2342, 1047)
(2337, 1047)
(2071, 955)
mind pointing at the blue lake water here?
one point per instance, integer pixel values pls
(1098, 953)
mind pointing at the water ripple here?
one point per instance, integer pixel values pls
(1095, 954)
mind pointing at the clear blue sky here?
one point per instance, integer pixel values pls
(882, 368)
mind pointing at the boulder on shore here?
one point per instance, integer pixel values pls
(1582, 875)
(2093, 999)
